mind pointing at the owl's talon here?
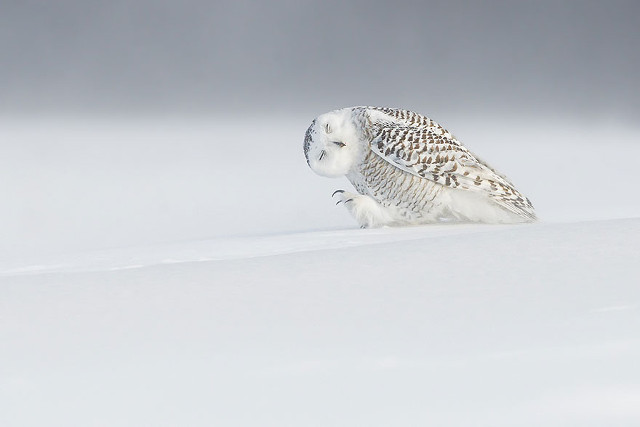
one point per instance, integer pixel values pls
(347, 201)
(337, 191)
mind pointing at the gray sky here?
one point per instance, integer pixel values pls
(560, 57)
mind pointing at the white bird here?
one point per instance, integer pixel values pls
(407, 169)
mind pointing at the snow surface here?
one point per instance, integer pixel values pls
(165, 273)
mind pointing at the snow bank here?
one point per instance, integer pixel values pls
(530, 325)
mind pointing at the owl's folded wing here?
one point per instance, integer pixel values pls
(430, 152)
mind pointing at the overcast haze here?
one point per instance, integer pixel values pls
(571, 57)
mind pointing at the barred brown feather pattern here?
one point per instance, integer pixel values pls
(419, 146)
(390, 186)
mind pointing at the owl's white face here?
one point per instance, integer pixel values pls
(332, 144)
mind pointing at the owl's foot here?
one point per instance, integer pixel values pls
(341, 198)
(366, 211)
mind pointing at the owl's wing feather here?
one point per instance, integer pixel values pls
(423, 148)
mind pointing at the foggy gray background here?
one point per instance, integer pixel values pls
(128, 123)
(573, 58)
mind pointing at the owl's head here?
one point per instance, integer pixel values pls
(332, 143)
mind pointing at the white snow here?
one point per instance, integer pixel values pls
(166, 273)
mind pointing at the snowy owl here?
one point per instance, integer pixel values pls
(407, 169)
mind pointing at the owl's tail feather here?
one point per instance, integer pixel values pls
(517, 204)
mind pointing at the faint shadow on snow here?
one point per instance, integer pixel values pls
(244, 247)
(229, 248)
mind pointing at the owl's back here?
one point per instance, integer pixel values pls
(445, 171)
